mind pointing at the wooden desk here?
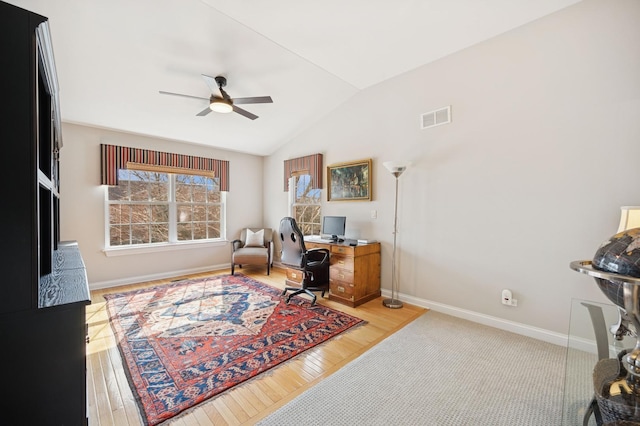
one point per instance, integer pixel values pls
(354, 275)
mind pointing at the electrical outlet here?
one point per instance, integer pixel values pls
(507, 298)
(374, 214)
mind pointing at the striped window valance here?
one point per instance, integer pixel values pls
(115, 157)
(311, 164)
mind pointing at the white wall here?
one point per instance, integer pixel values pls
(542, 151)
(83, 206)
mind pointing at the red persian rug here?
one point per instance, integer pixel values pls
(185, 342)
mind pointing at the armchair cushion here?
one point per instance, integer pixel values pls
(254, 239)
(251, 255)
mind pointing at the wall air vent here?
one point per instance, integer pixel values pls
(435, 118)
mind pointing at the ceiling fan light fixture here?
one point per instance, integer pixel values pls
(221, 105)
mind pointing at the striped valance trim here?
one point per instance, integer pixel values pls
(115, 157)
(311, 164)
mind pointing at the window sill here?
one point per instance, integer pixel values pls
(155, 248)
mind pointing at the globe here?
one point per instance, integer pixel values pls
(620, 254)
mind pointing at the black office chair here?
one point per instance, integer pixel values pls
(313, 264)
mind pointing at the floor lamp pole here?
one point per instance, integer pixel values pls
(394, 303)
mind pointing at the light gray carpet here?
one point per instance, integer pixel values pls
(439, 370)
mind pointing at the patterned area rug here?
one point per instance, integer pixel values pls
(188, 341)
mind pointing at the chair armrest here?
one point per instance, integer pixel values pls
(236, 244)
(318, 255)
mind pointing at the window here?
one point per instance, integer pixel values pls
(305, 204)
(162, 208)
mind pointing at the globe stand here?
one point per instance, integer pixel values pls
(630, 287)
(618, 393)
(617, 390)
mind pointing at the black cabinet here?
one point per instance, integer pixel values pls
(43, 289)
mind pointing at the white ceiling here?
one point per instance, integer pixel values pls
(310, 56)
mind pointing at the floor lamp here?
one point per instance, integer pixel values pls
(396, 168)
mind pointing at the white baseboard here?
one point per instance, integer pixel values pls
(500, 323)
(142, 278)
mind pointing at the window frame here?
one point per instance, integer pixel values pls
(292, 201)
(173, 243)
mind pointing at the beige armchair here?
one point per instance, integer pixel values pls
(254, 247)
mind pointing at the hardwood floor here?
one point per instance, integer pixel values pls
(111, 402)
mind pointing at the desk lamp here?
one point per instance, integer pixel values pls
(396, 168)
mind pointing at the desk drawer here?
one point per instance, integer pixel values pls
(294, 275)
(341, 289)
(339, 249)
(340, 274)
(344, 262)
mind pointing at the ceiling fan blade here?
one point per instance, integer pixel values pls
(253, 100)
(244, 112)
(204, 112)
(180, 94)
(211, 82)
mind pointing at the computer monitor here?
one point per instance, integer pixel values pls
(334, 226)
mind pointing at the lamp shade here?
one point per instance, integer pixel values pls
(629, 218)
(396, 167)
(220, 105)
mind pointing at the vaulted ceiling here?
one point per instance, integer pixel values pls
(113, 57)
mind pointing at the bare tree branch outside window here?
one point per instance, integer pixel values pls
(306, 205)
(140, 208)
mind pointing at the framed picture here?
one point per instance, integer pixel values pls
(349, 181)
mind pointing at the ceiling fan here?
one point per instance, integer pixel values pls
(224, 103)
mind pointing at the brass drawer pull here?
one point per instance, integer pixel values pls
(341, 289)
